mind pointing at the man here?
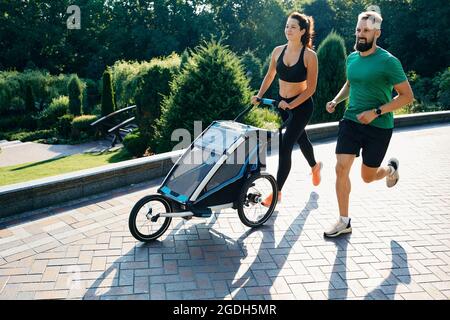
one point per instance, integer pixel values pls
(372, 73)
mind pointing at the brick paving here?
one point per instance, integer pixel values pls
(399, 248)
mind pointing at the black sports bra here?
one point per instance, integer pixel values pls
(294, 73)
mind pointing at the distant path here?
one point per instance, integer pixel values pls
(16, 152)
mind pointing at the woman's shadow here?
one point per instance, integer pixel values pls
(209, 266)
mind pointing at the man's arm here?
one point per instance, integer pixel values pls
(405, 96)
(341, 96)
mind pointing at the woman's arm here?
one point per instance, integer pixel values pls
(311, 79)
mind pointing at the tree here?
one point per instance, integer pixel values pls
(75, 90)
(212, 86)
(331, 56)
(108, 101)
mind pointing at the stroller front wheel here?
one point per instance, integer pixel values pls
(255, 189)
(144, 224)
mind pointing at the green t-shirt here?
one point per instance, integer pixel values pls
(372, 79)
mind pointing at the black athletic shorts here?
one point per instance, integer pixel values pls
(373, 141)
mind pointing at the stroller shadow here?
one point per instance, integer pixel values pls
(247, 281)
(399, 274)
(199, 263)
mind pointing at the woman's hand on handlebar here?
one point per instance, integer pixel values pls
(255, 100)
(284, 105)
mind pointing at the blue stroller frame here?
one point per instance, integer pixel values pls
(223, 168)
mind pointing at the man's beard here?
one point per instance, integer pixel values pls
(363, 46)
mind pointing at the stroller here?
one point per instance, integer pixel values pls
(223, 168)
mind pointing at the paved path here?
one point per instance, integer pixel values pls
(14, 153)
(399, 249)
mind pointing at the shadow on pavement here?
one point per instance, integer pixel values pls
(399, 274)
(338, 287)
(211, 268)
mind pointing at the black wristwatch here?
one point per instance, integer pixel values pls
(378, 111)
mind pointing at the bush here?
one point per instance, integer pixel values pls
(263, 118)
(64, 126)
(331, 55)
(33, 135)
(57, 108)
(211, 86)
(152, 84)
(431, 94)
(75, 89)
(123, 73)
(108, 103)
(135, 143)
(81, 127)
(45, 87)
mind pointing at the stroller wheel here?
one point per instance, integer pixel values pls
(256, 188)
(144, 223)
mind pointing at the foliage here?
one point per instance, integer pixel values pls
(211, 86)
(75, 90)
(108, 101)
(135, 143)
(331, 56)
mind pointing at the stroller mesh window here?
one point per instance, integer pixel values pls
(191, 170)
(231, 167)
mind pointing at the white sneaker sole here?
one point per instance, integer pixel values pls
(333, 235)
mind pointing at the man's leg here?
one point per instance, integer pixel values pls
(369, 174)
(343, 185)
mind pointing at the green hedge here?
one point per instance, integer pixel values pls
(33, 135)
(151, 86)
(44, 87)
(57, 108)
(81, 127)
(135, 143)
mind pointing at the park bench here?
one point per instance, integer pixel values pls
(115, 126)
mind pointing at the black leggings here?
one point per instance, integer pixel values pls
(295, 133)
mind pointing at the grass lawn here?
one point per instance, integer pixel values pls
(36, 170)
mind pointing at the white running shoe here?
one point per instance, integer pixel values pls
(392, 179)
(339, 228)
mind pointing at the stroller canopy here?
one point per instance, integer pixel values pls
(215, 159)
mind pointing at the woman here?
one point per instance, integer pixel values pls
(296, 66)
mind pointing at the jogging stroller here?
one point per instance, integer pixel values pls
(223, 168)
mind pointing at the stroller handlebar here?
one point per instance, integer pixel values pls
(268, 102)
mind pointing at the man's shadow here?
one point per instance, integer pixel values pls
(338, 287)
(399, 274)
(206, 268)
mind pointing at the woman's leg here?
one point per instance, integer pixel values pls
(294, 130)
(303, 141)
